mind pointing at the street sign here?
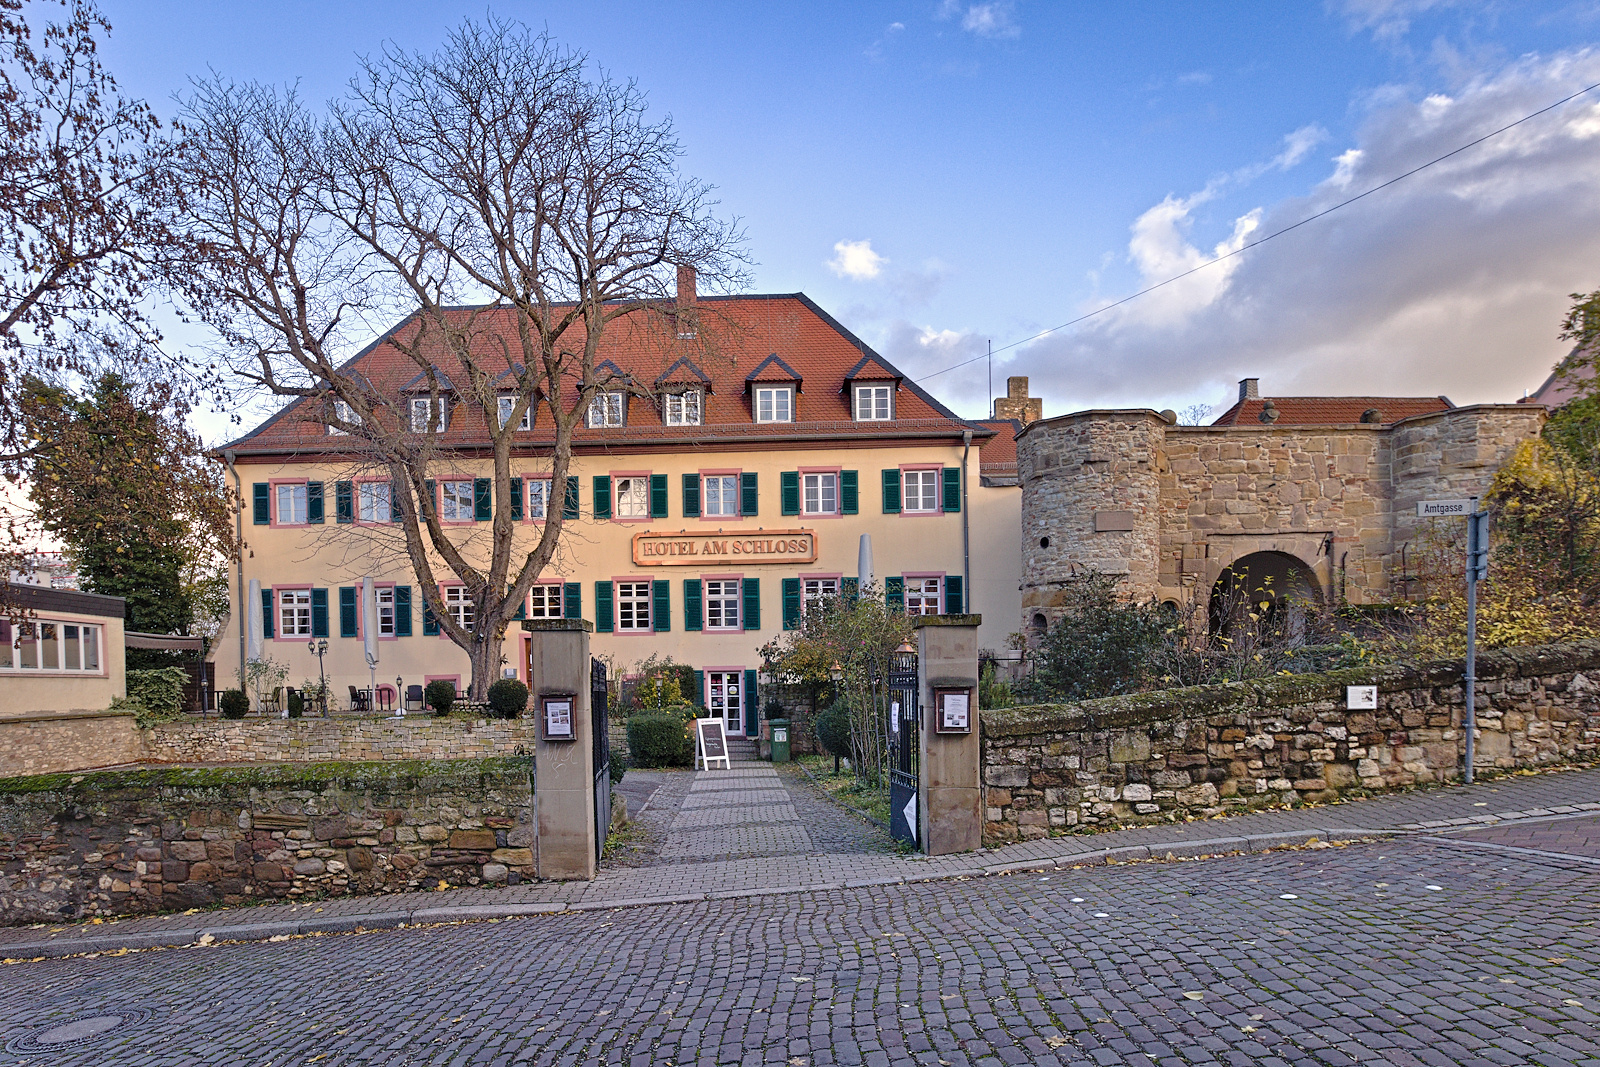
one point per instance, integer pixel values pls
(1431, 509)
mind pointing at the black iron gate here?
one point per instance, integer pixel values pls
(600, 725)
(904, 803)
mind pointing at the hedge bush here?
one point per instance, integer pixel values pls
(295, 704)
(233, 703)
(439, 695)
(508, 698)
(660, 740)
(833, 732)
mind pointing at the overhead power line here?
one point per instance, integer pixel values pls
(1263, 240)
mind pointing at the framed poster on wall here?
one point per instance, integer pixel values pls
(555, 717)
(952, 711)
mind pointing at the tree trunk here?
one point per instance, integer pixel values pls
(485, 656)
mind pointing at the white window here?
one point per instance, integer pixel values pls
(294, 613)
(49, 646)
(422, 413)
(535, 496)
(775, 404)
(506, 403)
(814, 591)
(922, 596)
(873, 402)
(458, 604)
(385, 595)
(292, 504)
(606, 409)
(633, 606)
(920, 491)
(372, 501)
(456, 503)
(633, 498)
(821, 494)
(722, 604)
(683, 409)
(342, 412)
(721, 496)
(544, 602)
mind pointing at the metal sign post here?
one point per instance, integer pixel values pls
(1477, 571)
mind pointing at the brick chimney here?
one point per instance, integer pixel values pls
(686, 293)
(1017, 404)
(1249, 388)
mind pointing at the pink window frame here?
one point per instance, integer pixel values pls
(738, 488)
(941, 575)
(272, 489)
(705, 694)
(361, 615)
(527, 601)
(938, 494)
(549, 479)
(616, 606)
(453, 679)
(705, 626)
(438, 499)
(838, 493)
(277, 612)
(614, 475)
(442, 586)
(355, 501)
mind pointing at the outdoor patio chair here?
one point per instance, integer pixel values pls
(274, 703)
(413, 698)
(360, 700)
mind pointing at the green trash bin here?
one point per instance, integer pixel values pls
(780, 739)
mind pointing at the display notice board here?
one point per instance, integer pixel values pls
(711, 744)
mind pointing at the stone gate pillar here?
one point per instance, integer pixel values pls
(563, 795)
(949, 776)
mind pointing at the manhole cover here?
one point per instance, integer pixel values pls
(77, 1030)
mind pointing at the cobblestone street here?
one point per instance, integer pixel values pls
(1414, 951)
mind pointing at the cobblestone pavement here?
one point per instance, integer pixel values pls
(1575, 838)
(1399, 952)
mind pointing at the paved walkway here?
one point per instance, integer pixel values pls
(703, 856)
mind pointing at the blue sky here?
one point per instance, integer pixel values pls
(943, 174)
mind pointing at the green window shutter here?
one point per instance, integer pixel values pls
(571, 600)
(849, 492)
(699, 689)
(605, 619)
(692, 608)
(691, 496)
(850, 590)
(749, 498)
(319, 613)
(954, 601)
(891, 491)
(344, 509)
(402, 611)
(261, 503)
(569, 505)
(791, 603)
(894, 593)
(658, 496)
(314, 502)
(522, 609)
(431, 489)
(750, 704)
(602, 496)
(661, 605)
(516, 499)
(266, 614)
(752, 603)
(482, 499)
(347, 611)
(430, 621)
(789, 491)
(395, 489)
(952, 489)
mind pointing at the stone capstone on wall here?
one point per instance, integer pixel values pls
(129, 842)
(1209, 750)
(335, 739)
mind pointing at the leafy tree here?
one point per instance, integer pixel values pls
(1582, 327)
(1099, 646)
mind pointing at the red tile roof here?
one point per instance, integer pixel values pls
(1326, 410)
(1000, 451)
(735, 336)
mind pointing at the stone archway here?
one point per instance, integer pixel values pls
(1275, 587)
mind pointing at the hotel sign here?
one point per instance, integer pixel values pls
(716, 548)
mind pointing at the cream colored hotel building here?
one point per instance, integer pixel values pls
(700, 520)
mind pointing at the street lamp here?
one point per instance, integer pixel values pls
(399, 699)
(320, 648)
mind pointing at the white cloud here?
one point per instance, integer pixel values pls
(1388, 20)
(856, 260)
(996, 18)
(1453, 281)
(1298, 144)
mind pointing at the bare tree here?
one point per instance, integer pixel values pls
(508, 204)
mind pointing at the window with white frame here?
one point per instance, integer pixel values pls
(821, 494)
(535, 497)
(458, 605)
(423, 410)
(385, 596)
(372, 501)
(544, 602)
(456, 501)
(342, 412)
(814, 591)
(292, 504)
(294, 613)
(721, 495)
(722, 603)
(633, 606)
(775, 404)
(633, 498)
(873, 402)
(40, 645)
(506, 404)
(606, 409)
(919, 491)
(922, 596)
(683, 409)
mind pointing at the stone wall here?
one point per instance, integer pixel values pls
(126, 842)
(1213, 749)
(335, 739)
(47, 742)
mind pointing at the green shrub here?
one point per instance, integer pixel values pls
(159, 690)
(618, 768)
(833, 732)
(660, 740)
(439, 695)
(295, 704)
(508, 698)
(233, 703)
(775, 710)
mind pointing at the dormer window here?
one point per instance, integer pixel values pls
(423, 410)
(682, 409)
(775, 404)
(874, 403)
(505, 405)
(342, 412)
(606, 409)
